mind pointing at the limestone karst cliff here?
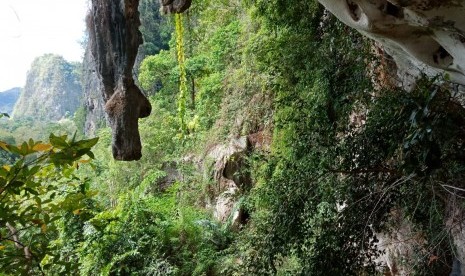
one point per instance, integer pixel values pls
(52, 90)
(93, 101)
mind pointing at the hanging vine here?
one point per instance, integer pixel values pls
(182, 98)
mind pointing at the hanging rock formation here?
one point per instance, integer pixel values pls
(423, 36)
(175, 6)
(114, 37)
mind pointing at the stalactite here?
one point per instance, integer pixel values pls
(114, 37)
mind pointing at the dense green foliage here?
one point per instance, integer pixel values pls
(155, 28)
(346, 162)
(300, 194)
(37, 189)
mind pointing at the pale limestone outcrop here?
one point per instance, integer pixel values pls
(228, 162)
(421, 35)
(224, 207)
(401, 245)
(52, 90)
(456, 227)
(227, 156)
(226, 165)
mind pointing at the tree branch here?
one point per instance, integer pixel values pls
(367, 170)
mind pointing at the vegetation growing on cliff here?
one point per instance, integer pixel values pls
(346, 161)
(52, 90)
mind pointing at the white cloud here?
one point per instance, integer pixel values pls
(30, 28)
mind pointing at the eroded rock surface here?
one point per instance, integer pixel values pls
(93, 102)
(228, 166)
(421, 35)
(400, 245)
(114, 37)
(456, 225)
(175, 6)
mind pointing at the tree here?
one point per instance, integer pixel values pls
(35, 189)
(155, 31)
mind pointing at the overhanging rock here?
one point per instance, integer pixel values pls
(175, 6)
(114, 37)
(423, 36)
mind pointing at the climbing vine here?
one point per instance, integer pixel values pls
(182, 73)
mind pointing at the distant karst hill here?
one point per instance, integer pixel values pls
(8, 99)
(52, 90)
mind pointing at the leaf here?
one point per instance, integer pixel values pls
(86, 144)
(32, 191)
(34, 170)
(13, 149)
(31, 143)
(42, 147)
(58, 141)
(3, 145)
(67, 172)
(2, 247)
(38, 200)
(74, 137)
(46, 218)
(91, 155)
(24, 148)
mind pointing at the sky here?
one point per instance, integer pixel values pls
(31, 28)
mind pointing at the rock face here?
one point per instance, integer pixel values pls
(52, 90)
(175, 6)
(8, 99)
(229, 160)
(114, 39)
(227, 166)
(93, 102)
(456, 225)
(399, 244)
(421, 35)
